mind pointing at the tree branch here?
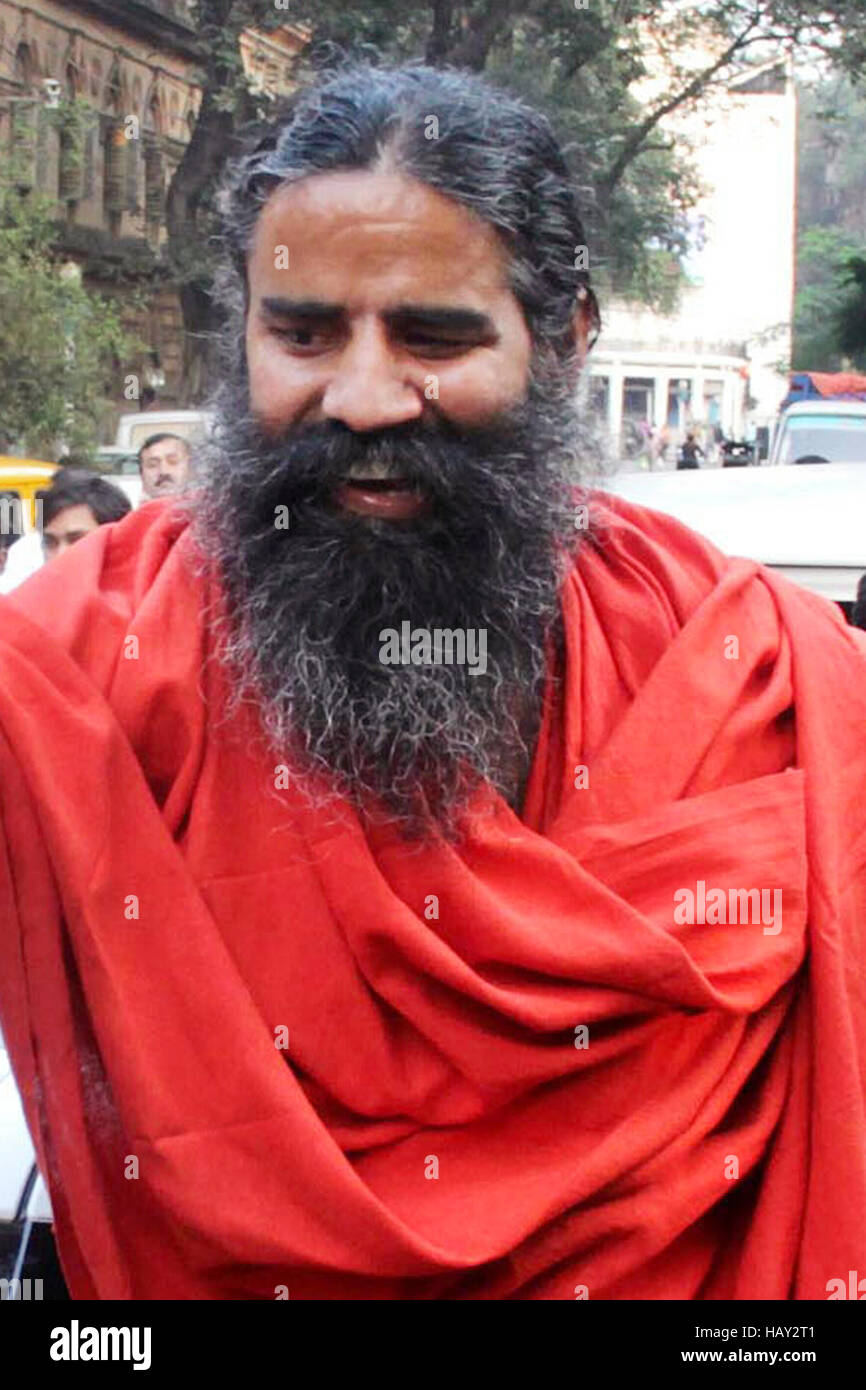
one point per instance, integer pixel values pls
(635, 141)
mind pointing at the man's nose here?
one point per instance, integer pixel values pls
(369, 389)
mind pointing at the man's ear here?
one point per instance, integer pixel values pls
(586, 326)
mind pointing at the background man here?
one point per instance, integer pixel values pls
(164, 462)
(76, 503)
(408, 980)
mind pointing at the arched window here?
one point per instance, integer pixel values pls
(114, 96)
(154, 114)
(115, 188)
(24, 66)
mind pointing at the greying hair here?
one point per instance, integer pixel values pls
(457, 134)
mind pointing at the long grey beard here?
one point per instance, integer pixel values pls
(305, 608)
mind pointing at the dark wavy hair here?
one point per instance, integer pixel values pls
(487, 150)
(75, 487)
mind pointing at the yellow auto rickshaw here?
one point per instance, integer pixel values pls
(23, 478)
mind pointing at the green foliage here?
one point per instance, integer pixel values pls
(584, 66)
(822, 292)
(576, 65)
(831, 180)
(851, 318)
(71, 117)
(58, 341)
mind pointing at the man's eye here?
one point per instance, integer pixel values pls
(302, 337)
(427, 345)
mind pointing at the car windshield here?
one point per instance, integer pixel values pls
(824, 439)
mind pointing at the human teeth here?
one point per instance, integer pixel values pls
(370, 472)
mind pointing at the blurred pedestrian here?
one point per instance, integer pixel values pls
(689, 452)
(654, 448)
(664, 444)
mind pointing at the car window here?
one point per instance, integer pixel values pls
(830, 438)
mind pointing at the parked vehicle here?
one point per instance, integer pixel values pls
(820, 431)
(738, 454)
(112, 461)
(816, 386)
(134, 429)
(806, 522)
(24, 477)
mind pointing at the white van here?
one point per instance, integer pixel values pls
(134, 429)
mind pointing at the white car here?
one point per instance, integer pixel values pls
(808, 522)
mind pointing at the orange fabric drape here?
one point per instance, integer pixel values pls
(436, 1126)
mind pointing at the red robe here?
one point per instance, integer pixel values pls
(513, 1069)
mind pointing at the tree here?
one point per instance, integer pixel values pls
(851, 318)
(58, 341)
(821, 293)
(609, 73)
(227, 107)
(831, 210)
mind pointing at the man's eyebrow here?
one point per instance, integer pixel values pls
(442, 316)
(420, 315)
(301, 308)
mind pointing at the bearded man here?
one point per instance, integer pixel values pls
(336, 962)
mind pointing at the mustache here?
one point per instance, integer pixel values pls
(299, 610)
(303, 466)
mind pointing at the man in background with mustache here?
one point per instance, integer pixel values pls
(164, 464)
(371, 970)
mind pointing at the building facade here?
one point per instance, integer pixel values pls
(98, 101)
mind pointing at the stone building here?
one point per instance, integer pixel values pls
(97, 103)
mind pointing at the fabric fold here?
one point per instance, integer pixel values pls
(615, 1043)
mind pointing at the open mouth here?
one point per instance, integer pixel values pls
(377, 484)
(392, 499)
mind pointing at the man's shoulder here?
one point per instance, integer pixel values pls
(632, 550)
(643, 569)
(86, 600)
